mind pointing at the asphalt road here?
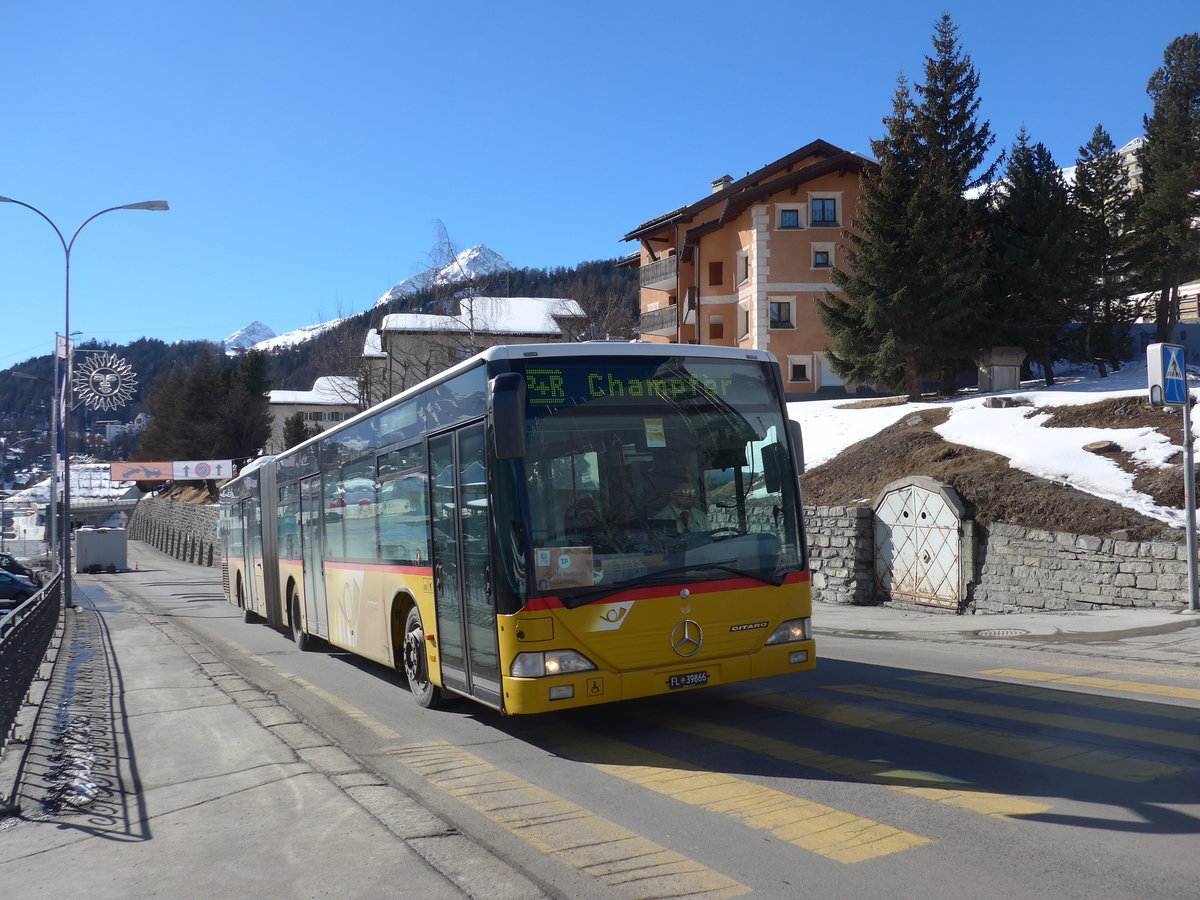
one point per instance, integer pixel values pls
(900, 768)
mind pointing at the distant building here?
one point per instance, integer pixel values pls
(333, 399)
(409, 347)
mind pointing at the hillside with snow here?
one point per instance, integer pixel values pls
(1020, 434)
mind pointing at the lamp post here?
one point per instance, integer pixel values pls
(63, 404)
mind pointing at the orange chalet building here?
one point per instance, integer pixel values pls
(744, 266)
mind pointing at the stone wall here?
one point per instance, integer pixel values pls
(1027, 569)
(841, 553)
(185, 531)
(1015, 569)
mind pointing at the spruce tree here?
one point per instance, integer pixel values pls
(1170, 162)
(1104, 200)
(874, 322)
(911, 306)
(1034, 247)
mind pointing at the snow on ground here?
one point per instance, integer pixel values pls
(1056, 454)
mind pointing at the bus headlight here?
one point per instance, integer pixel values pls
(791, 630)
(550, 662)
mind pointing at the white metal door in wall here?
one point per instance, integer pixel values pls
(918, 555)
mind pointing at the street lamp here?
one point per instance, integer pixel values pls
(63, 405)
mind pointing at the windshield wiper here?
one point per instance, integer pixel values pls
(588, 596)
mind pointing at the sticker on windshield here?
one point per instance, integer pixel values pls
(610, 616)
(560, 567)
(656, 434)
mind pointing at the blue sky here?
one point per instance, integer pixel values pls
(307, 149)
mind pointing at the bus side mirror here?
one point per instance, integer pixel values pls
(797, 444)
(507, 399)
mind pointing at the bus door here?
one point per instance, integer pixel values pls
(466, 615)
(253, 549)
(312, 556)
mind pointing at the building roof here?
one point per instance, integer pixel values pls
(763, 182)
(328, 390)
(492, 315)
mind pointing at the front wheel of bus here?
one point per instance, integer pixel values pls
(416, 662)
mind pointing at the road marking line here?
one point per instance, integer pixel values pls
(981, 740)
(1046, 694)
(938, 788)
(1158, 736)
(832, 833)
(606, 851)
(574, 836)
(1108, 684)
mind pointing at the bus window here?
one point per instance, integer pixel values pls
(358, 498)
(403, 509)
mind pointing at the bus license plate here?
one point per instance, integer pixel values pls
(691, 679)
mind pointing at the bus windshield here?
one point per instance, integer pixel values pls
(651, 470)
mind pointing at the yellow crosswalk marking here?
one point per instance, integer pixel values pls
(925, 785)
(1128, 731)
(981, 740)
(576, 837)
(1053, 694)
(596, 846)
(832, 833)
(1108, 684)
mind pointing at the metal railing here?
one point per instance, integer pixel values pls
(24, 637)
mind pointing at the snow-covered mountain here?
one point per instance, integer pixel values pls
(248, 336)
(474, 262)
(299, 336)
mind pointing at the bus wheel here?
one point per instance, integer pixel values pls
(247, 614)
(303, 639)
(416, 662)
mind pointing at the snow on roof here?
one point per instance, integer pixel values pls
(328, 390)
(493, 315)
(373, 345)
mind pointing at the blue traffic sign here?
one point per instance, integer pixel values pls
(1166, 370)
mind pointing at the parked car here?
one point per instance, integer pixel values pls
(14, 566)
(14, 590)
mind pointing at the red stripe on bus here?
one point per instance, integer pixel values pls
(703, 587)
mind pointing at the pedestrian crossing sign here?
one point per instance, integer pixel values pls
(1166, 372)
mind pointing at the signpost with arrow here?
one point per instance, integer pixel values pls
(1166, 371)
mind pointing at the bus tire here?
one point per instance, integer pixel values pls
(304, 640)
(247, 614)
(415, 658)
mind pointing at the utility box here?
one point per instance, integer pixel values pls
(102, 547)
(1000, 369)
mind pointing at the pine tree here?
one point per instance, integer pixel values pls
(1170, 161)
(296, 432)
(911, 306)
(1104, 200)
(1034, 248)
(874, 322)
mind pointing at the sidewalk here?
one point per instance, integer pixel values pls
(152, 770)
(1150, 635)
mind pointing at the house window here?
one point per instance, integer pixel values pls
(824, 211)
(716, 328)
(743, 323)
(822, 256)
(781, 314)
(789, 218)
(743, 264)
(800, 368)
(716, 273)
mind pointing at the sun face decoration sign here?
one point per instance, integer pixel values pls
(104, 381)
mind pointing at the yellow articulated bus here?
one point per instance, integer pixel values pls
(542, 527)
